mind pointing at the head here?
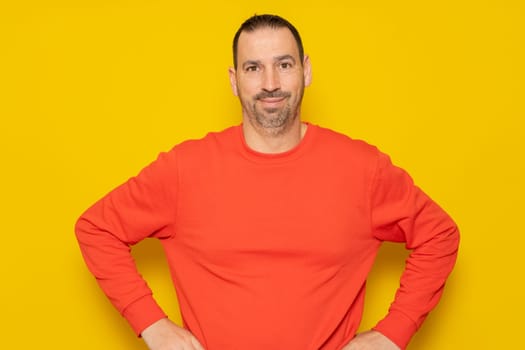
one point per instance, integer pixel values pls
(270, 73)
(266, 21)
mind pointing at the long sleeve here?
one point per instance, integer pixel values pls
(401, 212)
(142, 207)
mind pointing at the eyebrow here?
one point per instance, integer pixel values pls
(251, 63)
(276, 59)
(284, 57)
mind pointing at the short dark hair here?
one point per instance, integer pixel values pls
(266, 21)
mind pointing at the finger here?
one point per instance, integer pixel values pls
(350, 346)
(196, 344)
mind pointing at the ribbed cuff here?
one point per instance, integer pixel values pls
(397, 327)
(143, 313)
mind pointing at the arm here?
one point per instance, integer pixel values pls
(401, 212)
(142, 207)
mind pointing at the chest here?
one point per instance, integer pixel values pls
(306, 212)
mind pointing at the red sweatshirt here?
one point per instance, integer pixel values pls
(271, 251)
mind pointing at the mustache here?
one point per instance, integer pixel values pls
(272, 94)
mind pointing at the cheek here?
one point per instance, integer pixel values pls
(245, 92)
(293, 82)
(248, 84)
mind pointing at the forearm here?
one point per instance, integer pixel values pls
(111, 263)
(401, 212)
(421, 285)
(141, 207)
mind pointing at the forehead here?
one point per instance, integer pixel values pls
(266, 43)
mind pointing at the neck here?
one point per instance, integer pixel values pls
(269, 141)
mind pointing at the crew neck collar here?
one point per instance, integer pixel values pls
(291, 154)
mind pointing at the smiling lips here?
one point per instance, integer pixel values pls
(263, 95)
(272, 100)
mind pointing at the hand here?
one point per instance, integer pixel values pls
(371, 340)
(166, 335)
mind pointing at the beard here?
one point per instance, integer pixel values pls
(273, 120)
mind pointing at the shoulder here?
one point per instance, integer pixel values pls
(342, 144)
(211, 148)
(211, 141)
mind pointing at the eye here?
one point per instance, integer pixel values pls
(285, 65)
(252, 68)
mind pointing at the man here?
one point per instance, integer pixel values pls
(270, 228)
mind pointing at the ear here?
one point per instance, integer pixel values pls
(233, 80)
(307, 71)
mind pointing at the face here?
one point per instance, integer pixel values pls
(270, 79)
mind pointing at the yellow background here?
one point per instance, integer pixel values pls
(91, 91)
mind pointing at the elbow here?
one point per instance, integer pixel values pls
(80, 228)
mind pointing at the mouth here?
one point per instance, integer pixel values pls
(271, 101)
(272, 95)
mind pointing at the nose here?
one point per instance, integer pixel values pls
(271, 81)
